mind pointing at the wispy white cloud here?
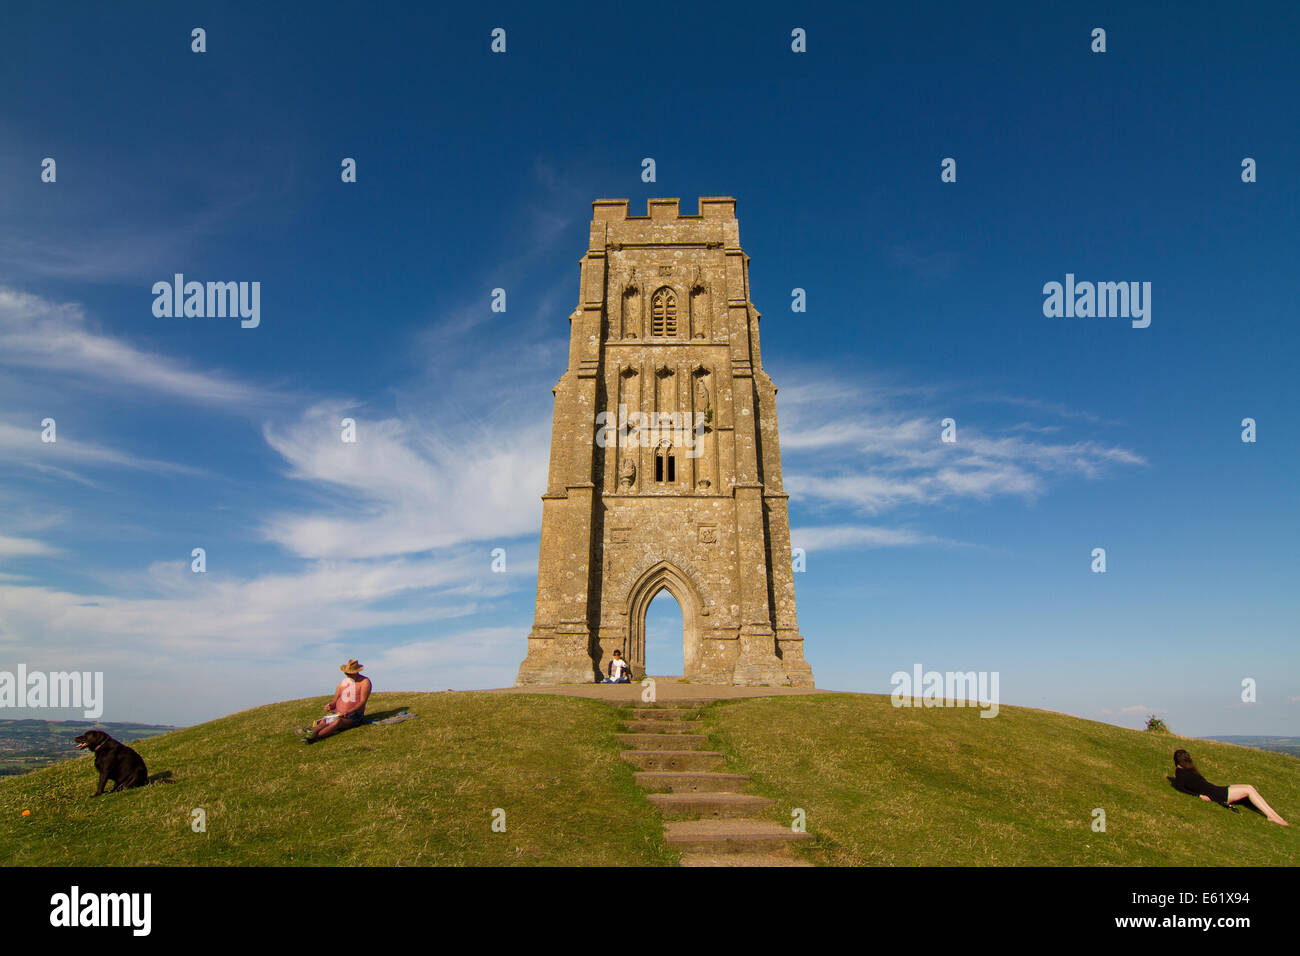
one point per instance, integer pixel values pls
(862, 492)
(89, 258)
(875, 448)
(862, 537)
(405, 488)
(97, 243)
(59, 337)
(24, 547)
(23, 446)
(481, 658)
(206, 615)
(1039, 405)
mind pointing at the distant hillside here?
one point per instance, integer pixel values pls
(1281, 745)
(877, 785)
(27, 745)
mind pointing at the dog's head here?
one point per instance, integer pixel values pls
(92, 740)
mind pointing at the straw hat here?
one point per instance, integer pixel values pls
(351, 667)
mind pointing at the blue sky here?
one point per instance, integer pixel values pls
(477, 170)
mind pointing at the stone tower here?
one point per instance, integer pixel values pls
(677, 485)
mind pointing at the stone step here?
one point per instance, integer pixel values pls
(704, 806)
(692, 782)
(678, 703)
(660, 713)
(674, 760)
(729, 835)
(663, 741)
(663, 726)
(740, 859)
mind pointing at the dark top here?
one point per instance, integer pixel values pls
(1192, 782)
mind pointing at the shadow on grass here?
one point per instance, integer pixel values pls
(385, 714)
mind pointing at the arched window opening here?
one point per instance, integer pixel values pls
(663, 313)
(665, 466)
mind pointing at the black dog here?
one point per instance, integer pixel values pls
(114, 760)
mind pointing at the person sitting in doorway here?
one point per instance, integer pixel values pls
(618, 672)
(1188, 779)
(347, 708)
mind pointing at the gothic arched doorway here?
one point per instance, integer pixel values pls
(664, 641)
(663, 577)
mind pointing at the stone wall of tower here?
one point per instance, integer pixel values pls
(615, 529)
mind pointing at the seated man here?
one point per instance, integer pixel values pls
(618, 673)
(346, 708)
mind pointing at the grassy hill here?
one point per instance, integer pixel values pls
(420, 792)
(944, 787)
(879, 785)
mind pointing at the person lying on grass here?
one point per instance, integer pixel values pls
(1189, 779)
(346, 708)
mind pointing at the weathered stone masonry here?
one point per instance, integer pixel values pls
(664, 324)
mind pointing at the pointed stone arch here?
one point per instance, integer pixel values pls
(663, 313)
(664, 575)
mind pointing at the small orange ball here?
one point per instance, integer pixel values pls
(26, 812)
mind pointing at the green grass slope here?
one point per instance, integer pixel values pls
(879, 785)
(421, 792)
(942, 786)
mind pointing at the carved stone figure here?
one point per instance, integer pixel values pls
(702, 398)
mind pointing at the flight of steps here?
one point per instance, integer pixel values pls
(707, 817)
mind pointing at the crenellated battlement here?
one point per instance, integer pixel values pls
(714, 208)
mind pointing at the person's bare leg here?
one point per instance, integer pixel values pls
(318, 729)
(334, 726)
(1243, 791)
